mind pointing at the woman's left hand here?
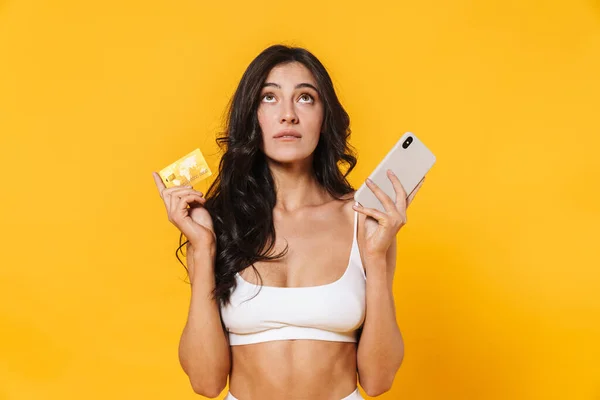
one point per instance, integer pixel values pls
(380, 234)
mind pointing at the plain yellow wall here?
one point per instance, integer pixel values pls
(497, 285)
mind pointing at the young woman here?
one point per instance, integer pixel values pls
(304, 320)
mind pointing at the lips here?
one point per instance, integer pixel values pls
(288, 133)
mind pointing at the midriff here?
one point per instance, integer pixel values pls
(294, 370)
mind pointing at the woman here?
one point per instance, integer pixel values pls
(295, 325)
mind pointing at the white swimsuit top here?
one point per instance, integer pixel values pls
(332, 312)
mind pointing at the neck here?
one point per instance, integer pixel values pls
(296, 186)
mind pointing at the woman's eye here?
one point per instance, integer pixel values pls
(268, 97)
(307, 97)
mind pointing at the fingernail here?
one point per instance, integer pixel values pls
(369, 180)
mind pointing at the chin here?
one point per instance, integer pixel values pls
(288, 157)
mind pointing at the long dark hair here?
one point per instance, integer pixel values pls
(242, 196)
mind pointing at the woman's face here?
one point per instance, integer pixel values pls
(290, 113)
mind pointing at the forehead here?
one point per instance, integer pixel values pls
(290, 74)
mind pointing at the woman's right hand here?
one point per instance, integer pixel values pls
(185, 210)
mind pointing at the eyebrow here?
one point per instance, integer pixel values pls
(298, 86)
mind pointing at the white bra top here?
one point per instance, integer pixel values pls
(332, 312)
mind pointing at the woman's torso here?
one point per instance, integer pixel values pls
(319, 245)
(293, 369)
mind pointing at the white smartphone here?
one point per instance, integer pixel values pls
(409, 159)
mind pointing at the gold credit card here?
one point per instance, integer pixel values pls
(188, 170)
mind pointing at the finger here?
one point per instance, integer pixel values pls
(414, 192)
(388, 204)
(181, 202)
(398, 188)
(167, 194)
(181, 206)
(179, 194)
(179, 190)
(159, 183)
(163, 190)
(371, 212)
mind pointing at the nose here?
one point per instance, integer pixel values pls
(288, 114)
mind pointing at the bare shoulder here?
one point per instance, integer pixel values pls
(348, 196)
(347, 201)
(340, 207)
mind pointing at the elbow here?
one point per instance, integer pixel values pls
(205, 380)
(207, 384)
(207, 389)
(378, 383)
(374, 390)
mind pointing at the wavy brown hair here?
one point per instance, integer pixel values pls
(241, 198)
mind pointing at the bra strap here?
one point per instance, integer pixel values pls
(355, 249)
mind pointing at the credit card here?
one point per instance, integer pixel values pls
(188, 170)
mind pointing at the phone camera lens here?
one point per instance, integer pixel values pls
(407, 142)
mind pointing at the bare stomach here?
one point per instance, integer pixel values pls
(294, 370)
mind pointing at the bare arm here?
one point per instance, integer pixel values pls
(204, 351)
(381, 347)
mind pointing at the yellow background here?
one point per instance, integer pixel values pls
(498, 273)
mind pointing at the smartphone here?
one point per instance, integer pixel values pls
(409, 159)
